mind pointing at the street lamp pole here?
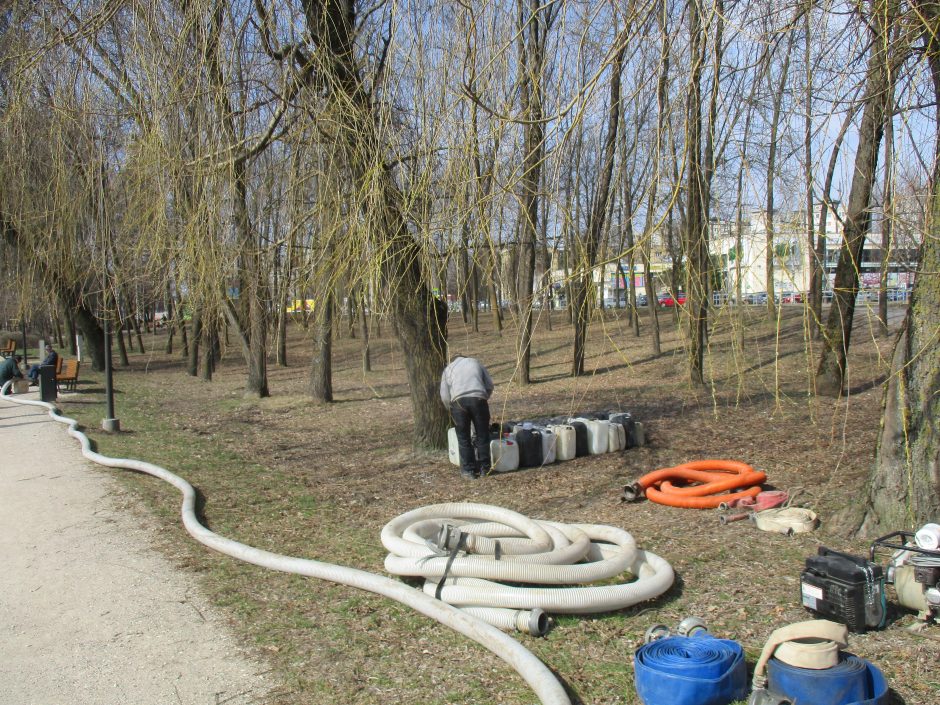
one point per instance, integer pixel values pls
(110, 423)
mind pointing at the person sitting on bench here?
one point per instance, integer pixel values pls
(51, 358)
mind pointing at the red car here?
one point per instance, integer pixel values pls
(669, 300)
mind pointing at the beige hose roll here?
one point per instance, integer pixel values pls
(789, 520)
(813, 644)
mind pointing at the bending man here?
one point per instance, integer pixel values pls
(465, 388)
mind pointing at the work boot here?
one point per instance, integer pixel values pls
(469, 475)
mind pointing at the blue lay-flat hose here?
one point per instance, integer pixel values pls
(697, 670)
(853, 681)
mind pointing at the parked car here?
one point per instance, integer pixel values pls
(668, 300)
(642, 300)
(790, 297)
(756, 298)
(899, 294)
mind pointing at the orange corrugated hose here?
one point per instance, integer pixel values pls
(702, 483)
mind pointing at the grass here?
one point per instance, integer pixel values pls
(293, 477)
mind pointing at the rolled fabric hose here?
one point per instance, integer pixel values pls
(699, 670)
(852, 681)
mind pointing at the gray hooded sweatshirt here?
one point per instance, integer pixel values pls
(465, 377)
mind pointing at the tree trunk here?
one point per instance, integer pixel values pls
(904, 490)
(887, 218)
(830, 375)
(696, 225)
(821, 276)
(535, 21)
(584, 297)
(192, 367)
(364, 337)
(321, 365)
(771, 178)
(92, 334)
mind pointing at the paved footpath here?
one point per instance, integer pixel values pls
(90, 613)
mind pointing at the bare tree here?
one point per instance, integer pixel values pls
(830, 374)
(904, 489)
(583, 290)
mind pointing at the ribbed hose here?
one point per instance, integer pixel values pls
(539, 678)
(436, 543)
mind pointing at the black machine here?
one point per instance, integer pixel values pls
(844, 588)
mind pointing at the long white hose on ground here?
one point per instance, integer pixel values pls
(536, 538)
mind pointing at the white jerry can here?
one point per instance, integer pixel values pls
(504, 453)
(598, 435)
(565, 442)
(453, 450)
(549, 445)
(617, 440)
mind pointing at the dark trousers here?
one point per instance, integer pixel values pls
(465, 411)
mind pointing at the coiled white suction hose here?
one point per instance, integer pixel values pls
(461, 549)
(539, 678)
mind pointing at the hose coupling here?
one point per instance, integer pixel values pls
(631, 492)
(655, 632)
(534, 622)
(728, 518)
(690, 626)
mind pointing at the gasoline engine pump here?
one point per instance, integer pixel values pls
(851, 589)
(914, 571)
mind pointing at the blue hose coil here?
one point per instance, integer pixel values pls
(853, 681)
(699, 670)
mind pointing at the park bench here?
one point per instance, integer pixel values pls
(68, 376)
(9, 348)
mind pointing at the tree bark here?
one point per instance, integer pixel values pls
(770, 253)
(904, 489)
(321, 365)
(696, 224)
(830, 375)
(533, 29)
(583, 294)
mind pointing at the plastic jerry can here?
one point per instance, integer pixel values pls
(617, 438)
(580, 438)
(602, 443)
(629, 426)
(597, 435)
(565, 442)
(453, 450)
(530, 446)
(549, 443)
(504, 453)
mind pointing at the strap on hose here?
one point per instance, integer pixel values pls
(815, 641)
(458, 547)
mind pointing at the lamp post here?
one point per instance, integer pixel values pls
(109, 423)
